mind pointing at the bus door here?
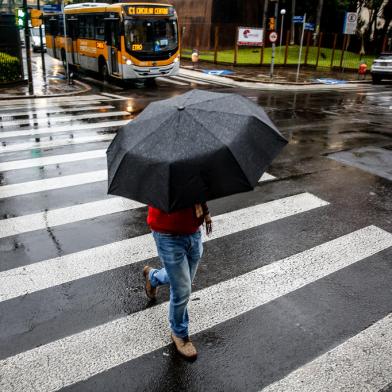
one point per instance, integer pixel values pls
(112, 38)
(54, 30)
(73, 33)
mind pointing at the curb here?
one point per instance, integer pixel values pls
(237, 81)
(85, 86)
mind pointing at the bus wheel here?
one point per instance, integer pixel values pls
(104, 72)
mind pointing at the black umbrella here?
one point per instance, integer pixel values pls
(192, 148)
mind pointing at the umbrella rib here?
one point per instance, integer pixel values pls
(214, 136)
(127, 151)
(240, 114)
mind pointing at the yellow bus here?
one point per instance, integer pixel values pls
(125, 41)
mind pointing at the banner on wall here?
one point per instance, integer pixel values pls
(250, 36)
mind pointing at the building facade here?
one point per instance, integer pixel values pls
(198, 19)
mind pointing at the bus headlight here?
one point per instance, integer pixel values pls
(128, 62)
(176, 60)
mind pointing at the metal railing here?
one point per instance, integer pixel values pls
(338, 52)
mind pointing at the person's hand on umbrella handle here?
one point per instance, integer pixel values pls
(208, 222)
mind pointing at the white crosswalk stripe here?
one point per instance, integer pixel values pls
(101, 348)
(46, 113)
(54, 120)
(53, 272)
(64, 129)
(55, 143)
(49, 101)
(26, 188)
(361, 363)
(62, 216)
(52, 160)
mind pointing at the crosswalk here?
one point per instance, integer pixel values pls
(78, 320)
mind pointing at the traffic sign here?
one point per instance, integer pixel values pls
(273, 36)
(309, 26)
(52, 8)
(298, 19)
(350, 23)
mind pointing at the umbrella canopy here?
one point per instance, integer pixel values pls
(192, 148)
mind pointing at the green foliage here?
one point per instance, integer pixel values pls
(9, 68)
(351, 60)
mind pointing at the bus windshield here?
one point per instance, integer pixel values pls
(151, 35)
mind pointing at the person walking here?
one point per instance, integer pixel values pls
(178, 240)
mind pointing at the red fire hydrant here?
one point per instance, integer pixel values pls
(362, 71)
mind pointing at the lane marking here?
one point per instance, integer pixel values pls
(80, 356)
(119, 97)
(55, 120)
(361, 363)
(52, 160)
(78, 127)
(267, 177)
(53, 272)
(26, 188)
(171, 81)
(63, 216)
(56, 143)
(43, 113)
(189, 81)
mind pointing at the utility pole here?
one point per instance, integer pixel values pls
(65, 43)
(264, 27)
(273, 42)
(292, 23)
(42, 44)
(27, 43)
(318, 20)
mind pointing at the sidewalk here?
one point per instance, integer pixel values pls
(54, 84)
(282, 75)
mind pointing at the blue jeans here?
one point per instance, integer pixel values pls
(180, 255)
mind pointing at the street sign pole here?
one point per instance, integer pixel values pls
(42, 44)
(65, 43)
(300, 48)
(282, 12)
(27, 43)
(273, 43)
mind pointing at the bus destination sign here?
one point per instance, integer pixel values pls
(148, 11)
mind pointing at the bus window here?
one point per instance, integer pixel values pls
(51, 25)
(90, 27)
(112, 32)
(82, 26)
(61, 25)
(99, 27)
(151, 35)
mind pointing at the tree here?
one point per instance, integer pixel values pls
(387, 15)
(318, 19)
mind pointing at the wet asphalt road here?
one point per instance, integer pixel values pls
(306, 269)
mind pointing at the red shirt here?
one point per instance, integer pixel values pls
(178, 222)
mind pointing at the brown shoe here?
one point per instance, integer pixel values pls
(185, 347)
(151, 292)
